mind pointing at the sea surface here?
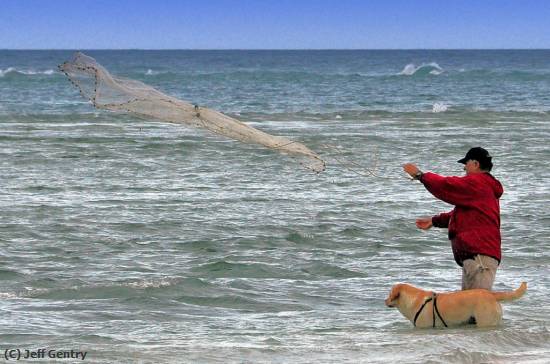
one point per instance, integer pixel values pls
(140, 241)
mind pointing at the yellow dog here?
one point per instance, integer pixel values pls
(427, 309)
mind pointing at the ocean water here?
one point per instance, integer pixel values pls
(145, 242)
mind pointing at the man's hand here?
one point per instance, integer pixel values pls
(424, 223)
(411, 169)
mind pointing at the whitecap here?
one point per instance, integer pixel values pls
(409, 70)
(152, 283)
(25, 72)
(6, 71)
(426, 68)
(338, 116)
(439, 107)
(8, 295)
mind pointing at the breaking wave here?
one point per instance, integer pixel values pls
(13, 70)
(424, 69)
(439, 107)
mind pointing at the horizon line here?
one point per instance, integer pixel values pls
(275, 49)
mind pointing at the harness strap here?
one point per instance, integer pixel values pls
(420, 310)
(434, 310)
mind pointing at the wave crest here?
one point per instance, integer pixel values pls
(439, 107)
(424, 69)
(15, 71)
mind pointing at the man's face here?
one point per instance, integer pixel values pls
(471, 166)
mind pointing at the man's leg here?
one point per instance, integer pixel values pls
(479, 272)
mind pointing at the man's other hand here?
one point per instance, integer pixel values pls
(424, 223)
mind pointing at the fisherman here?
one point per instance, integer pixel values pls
(474, 223)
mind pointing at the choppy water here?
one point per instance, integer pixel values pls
(139, 241)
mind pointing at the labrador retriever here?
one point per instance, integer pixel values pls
(428, 309)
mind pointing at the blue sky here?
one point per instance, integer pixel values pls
(274, 24)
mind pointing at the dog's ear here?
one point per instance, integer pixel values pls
(394, 294)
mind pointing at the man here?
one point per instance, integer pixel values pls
(474, 223)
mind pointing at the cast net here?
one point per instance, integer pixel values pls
(130, 96)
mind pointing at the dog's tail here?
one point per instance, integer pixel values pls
(512, 295)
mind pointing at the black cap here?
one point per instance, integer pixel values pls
(479, 154)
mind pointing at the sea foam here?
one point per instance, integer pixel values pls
(426, 68)
(439, 107)
(13, 70)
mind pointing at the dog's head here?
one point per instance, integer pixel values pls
(393, 298)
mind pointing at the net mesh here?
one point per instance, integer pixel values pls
(125, 95)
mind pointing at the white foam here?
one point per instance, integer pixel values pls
(31, 72)
(152, 283)
(7, 295)
(411, 69)
(439, 107)
(6, 71)
(25, 72)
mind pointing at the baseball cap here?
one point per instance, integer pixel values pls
(477, 153)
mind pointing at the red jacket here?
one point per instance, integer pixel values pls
(474, 223)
